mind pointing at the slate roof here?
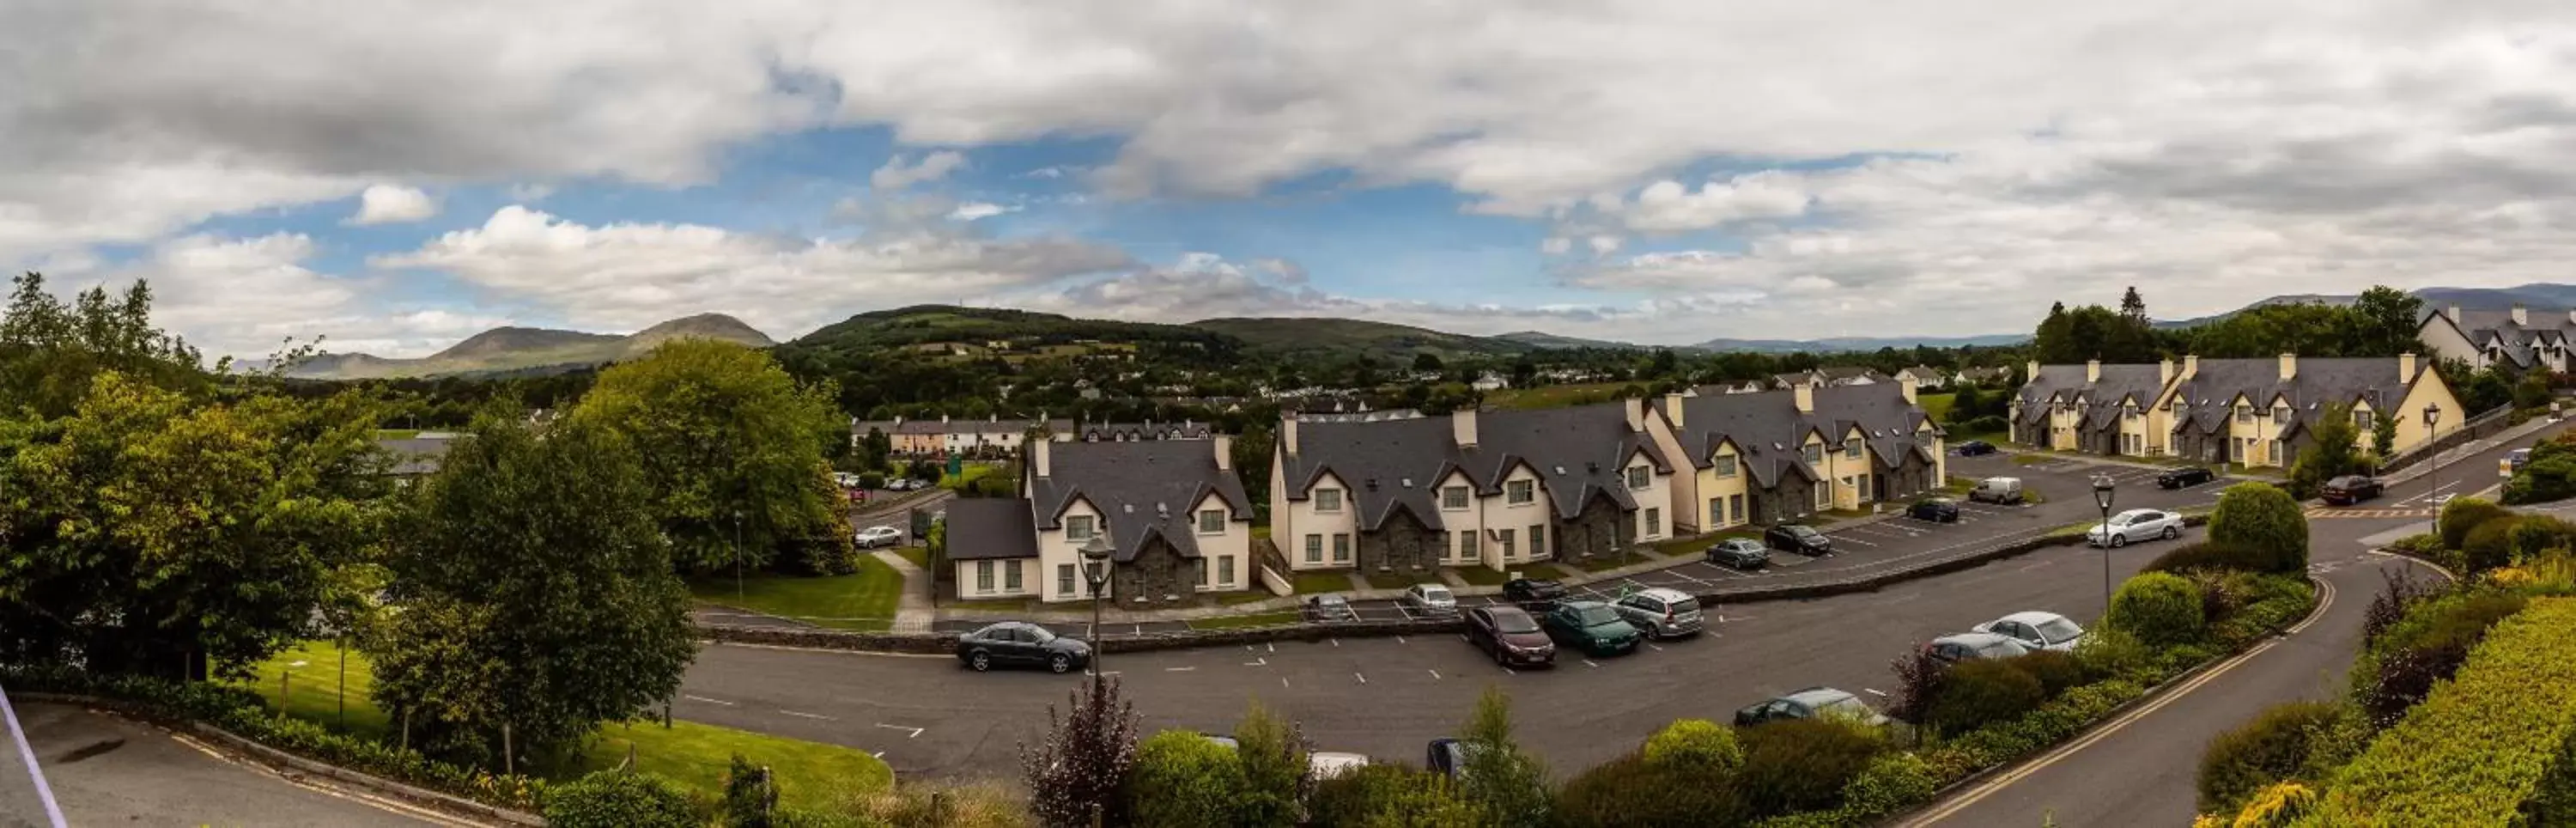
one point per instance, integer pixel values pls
(2065, 384)
(991, 528)
(1578, 453)
(1770, 432)
(1144, 488)
(2318, 381)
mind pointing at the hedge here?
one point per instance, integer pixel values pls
(2482, 746)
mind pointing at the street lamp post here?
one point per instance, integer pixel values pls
(2102, 498)
(1095, 570)
(2432, 420)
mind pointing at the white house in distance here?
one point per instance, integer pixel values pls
(1174, 515)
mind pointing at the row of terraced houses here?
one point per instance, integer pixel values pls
(1413, 494)
(2254, 412)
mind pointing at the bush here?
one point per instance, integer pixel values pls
(2208, 556)
(1802, 764)
(1182, 780)
(1978, 692)
(1394, 796)
(2266, 522)
(618, 799)
(1695, 746)
(2489, 545)
(1634, 790)
(1893, 782)
(2056, 671)
(2463, 514)
(2484, 744)
(2160, 608)
(2271, 748)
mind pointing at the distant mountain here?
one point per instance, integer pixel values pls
(1856, 343)
(1549, 340)
(1384, 340)
(520, 349)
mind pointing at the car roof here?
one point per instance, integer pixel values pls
(2032, 617)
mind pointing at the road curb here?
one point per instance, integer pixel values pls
(283, 761)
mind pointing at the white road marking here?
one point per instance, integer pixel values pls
(708, 700)
(808, 715)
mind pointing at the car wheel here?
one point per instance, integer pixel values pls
(2118, 541)
(2172, 533)
(1060, 663)
(980, 661)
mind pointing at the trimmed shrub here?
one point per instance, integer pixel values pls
(1389, 795)
(1183, 780)
(2489, 545)
(1634, 790)
(2463, 514)
(1893, 782)
(2271, 748)
(1802, 764)
(2056, 671)
(2208, 556)
(1979, 692)
(618, 799)
(2160, 608)
(1695, 746)
(2264, 521)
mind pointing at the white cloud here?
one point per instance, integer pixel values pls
(898, 173)
(973, 210)
(393, 204)
(621, 277)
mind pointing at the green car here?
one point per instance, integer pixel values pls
(1591, 626)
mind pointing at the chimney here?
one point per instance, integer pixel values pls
(2454, 313)
(2289, 367)
(1288, 434)
(1905, 385)
(1673, 409)
(2406, 367)
(1806, 396)
(2164, 371)
(1039, 456)
(1462, 427)
(2092, 371)
(2033, 371)
(2190, 366)
(1635, 408)
(2520, 315)
(1224, 452)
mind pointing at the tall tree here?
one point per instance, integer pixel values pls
(732, 447)
(532, 588)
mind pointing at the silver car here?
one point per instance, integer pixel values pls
(1661, 613)
(1429, 599)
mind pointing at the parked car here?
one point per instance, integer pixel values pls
(1021, 643)
(2036, 630)
(876, 536)
(1511, 636)
(1330, 609)
(1997, 490)
(1963, 646)
(2350, 489)
(1798, 538)
(1321, 764)
(1936, 509)
(2513, 461)
(1808, 704)
(1661, 613)
(1740, 553)
(1590, 626)
(1429, 599)
(2185, 477)
(2135, 524)
(1534, 595)
(1974, 448)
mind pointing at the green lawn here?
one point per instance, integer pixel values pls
(1553, 396)
(1265, 619)
(918, 555)
(694, 754)
(863, 600)
(1481, 575)
(1936, 405)
(1330, 580)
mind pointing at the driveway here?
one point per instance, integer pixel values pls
(108, 770)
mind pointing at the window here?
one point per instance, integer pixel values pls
(1654, 521)
(1078, 527)
(1724, 465)
(1815, 454)
(1341, 547)
(1538, 540)
(1637, 477)
(1200, 568)
(1328, 500)
(1314, 549)
(1508, 547)
(1467, 545)
(1225, 571)
(2361, 420)
(1735, 506)
(1011, 577)
(1716, 512)
(1851, 448)
(1453, 498)
(1064, 580)
(983, 576)
(1520, 492)
(1211, 521)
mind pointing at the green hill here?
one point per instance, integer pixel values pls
(1383, 340)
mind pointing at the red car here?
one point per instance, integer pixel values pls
(1510, 635)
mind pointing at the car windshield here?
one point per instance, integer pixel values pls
(1596, 615)
(1513, 622)
(2059, 631)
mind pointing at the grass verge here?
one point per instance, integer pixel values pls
(865, 599)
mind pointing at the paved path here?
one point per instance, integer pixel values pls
(912, 608)
(107, 770)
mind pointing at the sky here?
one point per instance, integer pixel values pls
(396, 179)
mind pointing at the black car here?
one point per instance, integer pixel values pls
(1740, 553)
(1974, 448)
(2350, 489)
(1937, 510)
(1327, 609)
(2183, 477)
(1021, 643)
(1534, 595)
(1793, 537)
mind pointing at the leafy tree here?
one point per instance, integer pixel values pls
(730, 445)
(1276, 774)
(51, 351)
(146, 532)
(532, 589)
(1507, 783)
(2263, 519)
(1183, 780)
(1076, 774)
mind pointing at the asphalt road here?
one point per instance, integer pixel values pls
(106, 770)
